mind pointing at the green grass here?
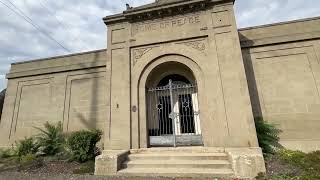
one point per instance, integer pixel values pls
(85, 168)
(308, 163)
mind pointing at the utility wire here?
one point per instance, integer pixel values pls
(63, 25)
(35, 25)
(30, 21)
(52, 14)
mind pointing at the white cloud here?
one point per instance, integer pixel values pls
(83, 29)
(3, 81)
(259, 12)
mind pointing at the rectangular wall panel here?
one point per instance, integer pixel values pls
(70, 89)
(33, 107)
(286, 85)
(86, 102)
(120, 100)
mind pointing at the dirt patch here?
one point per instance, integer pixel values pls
(55, 167)
(48, 169)
(276, 167)
(21, 176)
(41, 166)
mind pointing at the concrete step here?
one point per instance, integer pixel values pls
(178, 156)
(213, 164)
(194, 149)
(177, 172)
(178, 162)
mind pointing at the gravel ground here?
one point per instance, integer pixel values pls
(46, 176)
(275, 167)
(55, 168)
(60, 170)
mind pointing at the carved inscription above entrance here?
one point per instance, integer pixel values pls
(166, 24)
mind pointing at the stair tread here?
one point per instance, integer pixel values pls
(177, 171)
(177, 162)
(179, 154)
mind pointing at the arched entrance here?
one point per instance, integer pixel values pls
(173, 117)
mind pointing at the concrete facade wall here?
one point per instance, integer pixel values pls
(205, 41)
(70, 89)
(100, 89)
(283, 70)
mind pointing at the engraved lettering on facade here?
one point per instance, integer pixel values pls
(173, 23)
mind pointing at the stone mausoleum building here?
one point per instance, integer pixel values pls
(177, 90)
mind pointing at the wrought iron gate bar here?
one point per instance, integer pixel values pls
(173, 115)
(173, 87)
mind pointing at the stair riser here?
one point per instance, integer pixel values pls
(183, 175)
(193, 158)
(211, 166)
(178, 150)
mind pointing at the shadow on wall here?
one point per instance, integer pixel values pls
(251, 79)
(2, 96)
(91, 121)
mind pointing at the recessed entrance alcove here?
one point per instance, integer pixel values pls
(173, 117)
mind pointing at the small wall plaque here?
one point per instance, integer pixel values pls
(134, 108)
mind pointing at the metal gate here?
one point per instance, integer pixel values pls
(173, 115)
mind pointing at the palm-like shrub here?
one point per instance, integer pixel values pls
(51, 139)
(268, 135)
(26, 146)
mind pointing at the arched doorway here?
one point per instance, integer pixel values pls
(173, 117)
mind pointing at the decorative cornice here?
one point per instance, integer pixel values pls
(56, 69)
(160, 10)
(283, 32)
(58, 57)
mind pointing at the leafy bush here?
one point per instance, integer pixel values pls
(292, 157)
(285, 177)
(51, 138)
(64, 155)
(268, 135)
(26, 146)
(83, 144)
(27, 159)
(30, 162)
(312, 162)
(6, 153)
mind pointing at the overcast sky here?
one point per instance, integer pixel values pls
(77, 24)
